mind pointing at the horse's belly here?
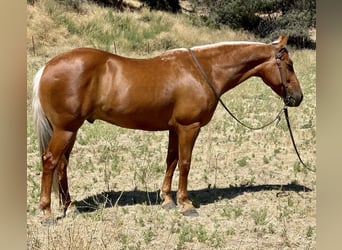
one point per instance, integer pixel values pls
(144, 120)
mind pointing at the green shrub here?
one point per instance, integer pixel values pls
(264, 18)
(235, 13)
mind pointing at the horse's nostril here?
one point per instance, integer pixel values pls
(292, 101)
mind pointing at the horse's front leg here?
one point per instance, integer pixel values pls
(186, 140)
(171, 162)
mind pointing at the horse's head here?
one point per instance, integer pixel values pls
(280, 75)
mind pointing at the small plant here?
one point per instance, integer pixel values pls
(259, 216)
(284, 234)
(186, 234)
(230, 231)
(216, 239)
(309, 232)
(242, 162)
(148, 235)
(124, 239)
(237, 212)
(202, 234)
(297, 167)
(271, 229)
(290, 201)
(276, 151)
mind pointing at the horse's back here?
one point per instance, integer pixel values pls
(150, 94)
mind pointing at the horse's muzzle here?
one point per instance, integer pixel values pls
(293, 100)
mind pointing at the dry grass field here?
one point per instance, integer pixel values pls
(249, 187)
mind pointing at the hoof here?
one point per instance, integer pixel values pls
(48, 221)
(169, 205)
(71, 210)
(191, 212)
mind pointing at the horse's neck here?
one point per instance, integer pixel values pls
(231, 65)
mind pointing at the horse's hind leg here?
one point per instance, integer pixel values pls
(171, 162)
(64, 196)
(57, 146)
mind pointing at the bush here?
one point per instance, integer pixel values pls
(235, 13)
(265, 18)
(296, 23)
(167, 5)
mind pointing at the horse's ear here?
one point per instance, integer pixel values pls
(281, 42)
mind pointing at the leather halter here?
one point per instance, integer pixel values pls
(282, 77)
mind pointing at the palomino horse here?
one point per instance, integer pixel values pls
(176, 91)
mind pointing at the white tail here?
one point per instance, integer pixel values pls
(40, 121)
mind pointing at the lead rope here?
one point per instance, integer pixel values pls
(293, 141)
(277, 118)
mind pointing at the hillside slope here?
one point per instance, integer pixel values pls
(52, 28)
